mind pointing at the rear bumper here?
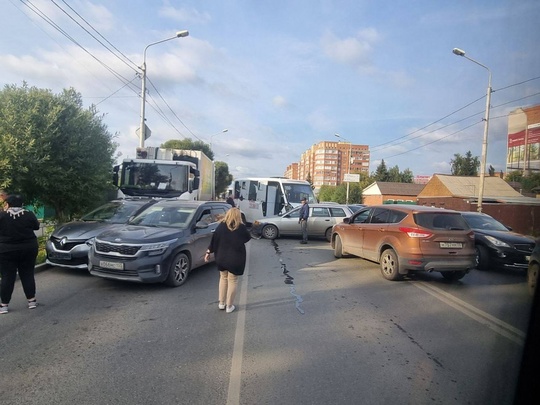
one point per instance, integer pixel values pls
(462, 263)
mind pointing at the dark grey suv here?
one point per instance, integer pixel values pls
(161, 244)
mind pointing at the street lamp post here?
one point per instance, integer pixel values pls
(460, 52)
(213, 163)
(349, 166)
(142, 130)
(219, 133)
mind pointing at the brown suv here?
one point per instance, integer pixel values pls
(408, 237)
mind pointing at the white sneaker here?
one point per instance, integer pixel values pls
(32, 304)
(221, 306)
(230, 309)
(3, 309)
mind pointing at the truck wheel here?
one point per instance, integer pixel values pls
(270, 232)
(178, 270)
(328, 234)
(453, 275)
(390, 265)
(482, 257)
(338, 248)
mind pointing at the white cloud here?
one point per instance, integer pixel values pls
(185, 15)
(354, 51)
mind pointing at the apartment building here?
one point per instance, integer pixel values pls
(326, 162)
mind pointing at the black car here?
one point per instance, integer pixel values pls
(534, 267)
(161, 244)
(496, 245)
(66, 247)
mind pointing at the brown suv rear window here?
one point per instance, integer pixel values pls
(441, 220)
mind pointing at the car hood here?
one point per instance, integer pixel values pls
(140, 234)
(509, 237)
(81, 230)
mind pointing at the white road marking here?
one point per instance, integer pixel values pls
(495, 324)
(235, 378)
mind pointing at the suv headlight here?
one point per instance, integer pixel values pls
(497, 242)
(157, 248)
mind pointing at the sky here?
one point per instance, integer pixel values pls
(283, 75)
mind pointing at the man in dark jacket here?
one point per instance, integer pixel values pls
(304, 215)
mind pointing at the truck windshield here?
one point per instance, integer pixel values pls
(295, 193)
(154, 179)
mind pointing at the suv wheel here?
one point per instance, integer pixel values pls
(453, 275)
(482, 257)
(390, 265)
(338, 249)
(178, 270)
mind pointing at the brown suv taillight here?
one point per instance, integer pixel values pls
(471, 235)
(415, 232)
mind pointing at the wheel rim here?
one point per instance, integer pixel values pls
(477, 258)
(181, 268)
(270, 232)
(388, 265)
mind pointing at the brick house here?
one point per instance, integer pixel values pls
(499, 200)
(391, 192)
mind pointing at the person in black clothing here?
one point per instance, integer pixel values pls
(230, 200)
(18, 251)
(302, 220)
(229, 247)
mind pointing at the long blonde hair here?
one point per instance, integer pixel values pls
(232, 219)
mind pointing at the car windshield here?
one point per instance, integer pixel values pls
(166, 216)
(484, 222)
(115, 212)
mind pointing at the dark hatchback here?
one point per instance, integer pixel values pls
(66, 247)
(496, 245)
(161, 244)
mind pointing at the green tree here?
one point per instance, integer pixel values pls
(381, 172)
(223, 177)
(326, 193)
(52, 150)
(465, 165)
(189, 144)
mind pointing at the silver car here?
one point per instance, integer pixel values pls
(322, 217)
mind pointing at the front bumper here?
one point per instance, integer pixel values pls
(76, 257)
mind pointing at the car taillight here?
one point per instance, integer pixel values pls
(471, 235)
(416, 233)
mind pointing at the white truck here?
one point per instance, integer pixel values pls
(166, 173)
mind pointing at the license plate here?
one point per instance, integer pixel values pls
(60, 256)
(111, 265)
(451, 245)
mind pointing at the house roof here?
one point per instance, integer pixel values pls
(467, 186)
(495, 189)
(393, 188)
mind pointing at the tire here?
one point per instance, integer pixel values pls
(390, 265)
(338, 248)
(532, 277)
(453, 275)
(178, 270)
(328, 234)
(270, 232)
(482, 257)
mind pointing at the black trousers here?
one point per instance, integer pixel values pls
(18, 261)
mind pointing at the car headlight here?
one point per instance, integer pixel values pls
(497, 242)
(158, 248)
(90, 242)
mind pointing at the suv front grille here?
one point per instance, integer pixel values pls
(66, 246)
(117, 250)
(525, 247)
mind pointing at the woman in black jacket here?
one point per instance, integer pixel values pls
(18, 251)
(229, 247)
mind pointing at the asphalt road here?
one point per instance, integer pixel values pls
(309, 329)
